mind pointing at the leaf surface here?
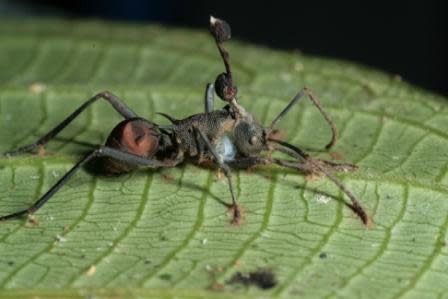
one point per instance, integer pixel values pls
(166, 234)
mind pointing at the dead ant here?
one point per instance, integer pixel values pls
(226, 138)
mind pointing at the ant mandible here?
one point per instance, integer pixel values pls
(227, 138)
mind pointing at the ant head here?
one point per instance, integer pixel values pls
(250, 138)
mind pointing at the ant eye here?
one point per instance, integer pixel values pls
(253, 140)
(225, 88)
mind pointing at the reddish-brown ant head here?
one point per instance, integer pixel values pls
(136, 136)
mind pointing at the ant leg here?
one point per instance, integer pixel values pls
(307, 92)
(248, 162)
(305, 167)
(209, 97)
(227, 173)
(101, 152)
(116, 103)
(295, 152)
(337, 166)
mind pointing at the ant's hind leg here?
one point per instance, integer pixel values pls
(116, 103)
(209, 97)
(236, 210)
(118, 155)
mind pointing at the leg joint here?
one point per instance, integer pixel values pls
(104, 94)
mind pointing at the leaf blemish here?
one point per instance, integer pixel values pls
(321, 198)
(91, 271)
(404, 186)
(262, 278)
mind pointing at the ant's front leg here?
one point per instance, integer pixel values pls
(306, 92)
(295, 152)
(120, 156)
(249, 162)
(116, 103)
(335, 166)
(304, 167)
(227, 173)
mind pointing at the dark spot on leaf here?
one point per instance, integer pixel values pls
(10, 263)
(323, 255)
(147, 262)
(165, 276)
(262, 278)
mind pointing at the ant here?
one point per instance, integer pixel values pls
(226, 138)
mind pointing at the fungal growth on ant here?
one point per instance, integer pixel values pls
(228, 138)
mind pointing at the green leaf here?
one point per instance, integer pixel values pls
(167, 234)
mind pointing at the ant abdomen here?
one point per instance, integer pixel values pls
(136, 136)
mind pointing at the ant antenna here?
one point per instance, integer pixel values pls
(224, 86)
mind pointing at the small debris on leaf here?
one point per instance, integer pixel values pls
(32, 221)
(91, 271)
(37, 88)
(60, 238)
(262, 278)
(321, 198)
